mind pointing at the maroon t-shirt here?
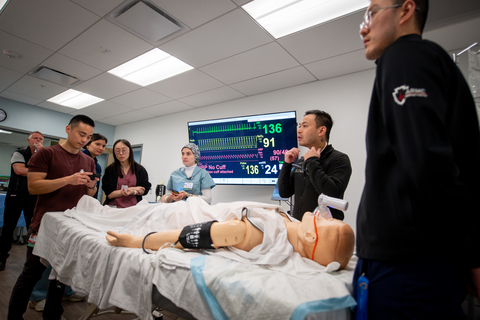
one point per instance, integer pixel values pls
(56, 162)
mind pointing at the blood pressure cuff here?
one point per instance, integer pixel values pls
(197, 236)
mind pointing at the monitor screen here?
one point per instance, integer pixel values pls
(246, 150)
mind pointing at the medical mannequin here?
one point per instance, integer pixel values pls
(336, 239)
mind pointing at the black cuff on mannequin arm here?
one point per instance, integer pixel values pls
(197, 236)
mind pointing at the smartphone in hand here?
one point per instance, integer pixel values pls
(94, 175)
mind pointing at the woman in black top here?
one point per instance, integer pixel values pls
(125, 180)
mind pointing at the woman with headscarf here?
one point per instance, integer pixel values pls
(190, 180)
(125, 181)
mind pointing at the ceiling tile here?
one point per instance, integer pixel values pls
(36, 88)
(112, 122)
(230, 34)
(212, 97)
(140, 99)
(30, 54)
(107, 86)
(185, 84)
(326, 40)
(167, 108)
(121, 45)
(241, 2)
(340, 65)
(100, 8)
(55, 107)
(19, 97)
(107, 109)
(130, 117)
(94, 117)
(267, 59)
(279, 80)
(51, 23)
(455, 37)
(70, 66)
(450, 12)
(195, 13)
(8, 77)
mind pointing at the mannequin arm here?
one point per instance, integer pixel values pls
(228, 233)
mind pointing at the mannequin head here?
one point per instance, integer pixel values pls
(325, 240)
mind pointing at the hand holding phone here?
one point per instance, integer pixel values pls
(175, 191)
(94, 175)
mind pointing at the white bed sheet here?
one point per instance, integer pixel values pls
(74, 243)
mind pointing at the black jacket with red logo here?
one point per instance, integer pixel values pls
(423, 159)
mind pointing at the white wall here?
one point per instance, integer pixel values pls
(346, 98)
(27, 118)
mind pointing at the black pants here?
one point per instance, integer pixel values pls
(14, 204)
(32, 272)
(417, 289)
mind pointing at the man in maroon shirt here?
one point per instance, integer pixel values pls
(59, 175)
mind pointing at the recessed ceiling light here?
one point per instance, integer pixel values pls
(75, 99)
(3, 4)
(150, 67)
(283, 17)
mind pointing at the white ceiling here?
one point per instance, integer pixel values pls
(232, 55)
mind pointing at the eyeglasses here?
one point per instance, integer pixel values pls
(120, 151)
(367, 18)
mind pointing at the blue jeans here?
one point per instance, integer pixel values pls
(40, 290)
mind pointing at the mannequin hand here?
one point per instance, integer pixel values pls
(312, 152)
(119, 239)
(291, 155)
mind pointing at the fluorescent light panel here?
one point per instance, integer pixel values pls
(75, 99)
(3, 3)
(5, 131)
(150, 67)
(283, 17)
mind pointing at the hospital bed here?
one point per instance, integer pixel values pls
(191, 284)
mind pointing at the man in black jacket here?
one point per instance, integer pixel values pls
(18, 198)
(418, 219)
(322, 169)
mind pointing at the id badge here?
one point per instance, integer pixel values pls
(188, 186)
(31, 240)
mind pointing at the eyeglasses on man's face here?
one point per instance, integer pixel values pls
(367, 18)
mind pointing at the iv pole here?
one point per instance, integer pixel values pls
(456, 55)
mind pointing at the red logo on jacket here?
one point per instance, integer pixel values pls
(401, 93)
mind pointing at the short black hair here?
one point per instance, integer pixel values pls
(95, 137)
(421, 12)
(322, 119)
(81, 118)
